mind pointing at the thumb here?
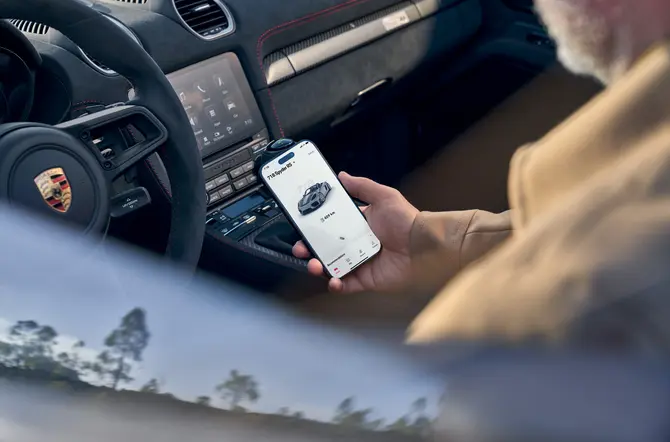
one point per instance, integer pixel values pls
(363, 188)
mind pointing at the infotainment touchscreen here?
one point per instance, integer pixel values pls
(218, 101)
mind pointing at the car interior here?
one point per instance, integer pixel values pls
(145, 121)
(422, 95)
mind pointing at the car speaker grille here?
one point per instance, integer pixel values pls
(30, 27)
(209, 19)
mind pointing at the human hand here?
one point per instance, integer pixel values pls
(391, 218)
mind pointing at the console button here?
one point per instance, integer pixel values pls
(248, 167)
(223, 179)
(214, 197)
(258, 147)
(221, 166)
(210, 185)
(251, 179)
(235, 173)
(226, 191)
(240, 183)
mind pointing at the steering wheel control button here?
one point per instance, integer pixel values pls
(129, 201)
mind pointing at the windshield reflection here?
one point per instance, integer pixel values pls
(124, 327)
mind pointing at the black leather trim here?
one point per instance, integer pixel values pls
(158, 172)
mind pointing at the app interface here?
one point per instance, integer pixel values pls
(320, 207)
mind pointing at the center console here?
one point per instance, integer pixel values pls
(231, 136)
(226, 122)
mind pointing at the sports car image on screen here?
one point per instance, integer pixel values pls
(314, 198)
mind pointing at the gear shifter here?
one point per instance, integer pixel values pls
(275, 148)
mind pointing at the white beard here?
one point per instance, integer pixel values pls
(585, 41)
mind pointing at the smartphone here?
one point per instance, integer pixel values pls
(321, 210)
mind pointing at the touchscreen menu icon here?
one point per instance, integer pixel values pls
(194, 121)
(212, 113)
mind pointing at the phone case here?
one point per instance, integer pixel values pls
(292, 221)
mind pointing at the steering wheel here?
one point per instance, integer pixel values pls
(58, 170)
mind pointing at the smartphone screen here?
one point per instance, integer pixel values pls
(318, 206)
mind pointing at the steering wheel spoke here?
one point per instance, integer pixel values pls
(119, 136)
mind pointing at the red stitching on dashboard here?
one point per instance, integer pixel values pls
(279, 28)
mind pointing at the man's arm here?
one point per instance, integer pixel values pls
(443, 243)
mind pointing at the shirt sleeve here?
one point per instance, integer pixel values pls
(443, 243)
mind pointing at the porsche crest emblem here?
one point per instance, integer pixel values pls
(55, 189)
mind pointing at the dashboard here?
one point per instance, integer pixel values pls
(246, 72)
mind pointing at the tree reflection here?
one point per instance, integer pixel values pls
(237, 388)
(124, 344)
(204, 400)
(29, 346)
(36, 351)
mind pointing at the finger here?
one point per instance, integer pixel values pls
(363, 188)
(348, 285)
(364, 209)
(301, 251)
(335, 285)
(315, 267)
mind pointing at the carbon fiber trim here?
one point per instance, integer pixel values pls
(277, 68)
(325, 46)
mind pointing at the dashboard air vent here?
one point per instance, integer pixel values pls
(208, 19)
(30, 27)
